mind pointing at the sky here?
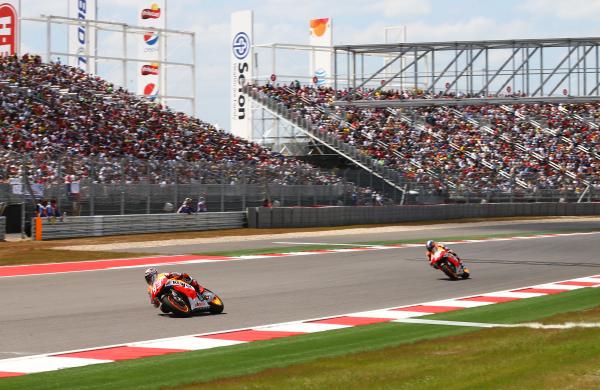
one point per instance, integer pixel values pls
(354, 21)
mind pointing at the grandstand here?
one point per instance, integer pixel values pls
(459, 143)
(465, 127)
(476, 147)
(61, 125)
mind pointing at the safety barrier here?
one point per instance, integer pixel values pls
(262, 217)
(110, 225)
(2, 228)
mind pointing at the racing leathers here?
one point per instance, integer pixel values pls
(184, 278)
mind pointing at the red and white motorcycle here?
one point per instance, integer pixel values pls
(448, 263)
(180, 298)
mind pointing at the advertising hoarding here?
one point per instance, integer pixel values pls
(151, 48)
(321, 61)
(241, 72)
(82, 38)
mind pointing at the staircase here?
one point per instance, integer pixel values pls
(391, 177)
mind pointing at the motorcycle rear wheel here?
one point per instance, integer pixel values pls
(216, 306)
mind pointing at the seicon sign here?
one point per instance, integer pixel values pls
(241, 45)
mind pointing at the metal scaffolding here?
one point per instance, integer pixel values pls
(526, 67)
(270, 130)
(124, 58)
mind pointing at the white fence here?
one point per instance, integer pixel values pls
(110, 225)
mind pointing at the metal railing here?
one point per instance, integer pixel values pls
(394, 178)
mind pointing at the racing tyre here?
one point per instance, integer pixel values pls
(177, 303)
(448, 271)
(164, 309)
(216, 305)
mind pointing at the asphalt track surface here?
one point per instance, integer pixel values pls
(59, 312)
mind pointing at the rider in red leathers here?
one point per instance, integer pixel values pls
(433, 248)
(151, 274)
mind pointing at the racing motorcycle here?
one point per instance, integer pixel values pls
(440, 261)
(181, 299)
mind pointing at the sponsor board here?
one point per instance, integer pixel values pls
(9, 20)
(82, 38)
(150, 69)
(321, 34)
(151, 13)
(241, 72)
(151, 48)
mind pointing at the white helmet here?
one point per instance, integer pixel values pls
(150, 275)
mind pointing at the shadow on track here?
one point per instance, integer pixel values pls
(194, 315)
(524, 262)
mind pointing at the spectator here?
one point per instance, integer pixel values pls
(201, 206)
(53, 212)
(267, 203)
(43, 208)
(186, 207)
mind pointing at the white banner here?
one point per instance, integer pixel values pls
(151, 48)
(242, 35)
(82, 40)
(321, 34)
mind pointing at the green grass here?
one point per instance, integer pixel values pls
(201, 366)
(302, 248)
(489, 359)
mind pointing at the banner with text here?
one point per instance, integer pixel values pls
(82, 38)
(9, 28)
(241, 72)
(151, 48)
(320, 61)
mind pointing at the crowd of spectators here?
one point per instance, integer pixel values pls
(78, 126)
(64, 125)
(477, 147)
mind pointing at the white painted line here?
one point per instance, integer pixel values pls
(554, 286)
(587, 280)
(512, 294)
(320, 243)
(457, 303)
(187, 343)
(302, 327)
(450, 323)
(347, 250)
(393, 314)
(45, 363)
(161, 264)
(306, 253)
(568, 325)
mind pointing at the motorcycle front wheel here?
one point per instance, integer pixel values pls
(176, 303)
